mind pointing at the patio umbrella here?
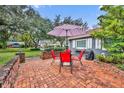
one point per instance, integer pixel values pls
(66, 30)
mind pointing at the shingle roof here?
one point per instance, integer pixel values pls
(85, 34)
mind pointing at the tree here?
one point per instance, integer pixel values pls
(112, 28)
(38, 26)
(10, 22)
(80, 22)
(57, 20)
(67, 20)
(26, 39)
(22, 20)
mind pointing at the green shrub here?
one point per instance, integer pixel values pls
(59, 49)
(109, 59)
(55, 49)
(22, 46)
(114, 58)
(121, 66)
(35, 49)
(100, 58)
(118, 58)
(48, 49)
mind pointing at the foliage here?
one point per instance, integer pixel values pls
(38, 26)
(11, 21)
(22, 23)
(113, 58)
(55, 49)
(121, 66)
(100, 58)
(35, 49)
(111, 31)
(111, 28)
(79, 21)
(59, 48)
(116, 59)
(25, 37)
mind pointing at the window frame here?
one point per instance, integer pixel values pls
(81, 40)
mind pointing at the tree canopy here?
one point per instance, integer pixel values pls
(22, 20)
(111, 28)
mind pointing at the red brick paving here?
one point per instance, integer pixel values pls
(37, 73)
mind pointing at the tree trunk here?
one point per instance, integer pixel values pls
(35, 45)
(26, 44)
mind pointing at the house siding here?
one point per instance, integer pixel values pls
(91, 43)
(72, 43)
(98, 44)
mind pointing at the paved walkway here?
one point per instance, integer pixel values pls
(41, 74)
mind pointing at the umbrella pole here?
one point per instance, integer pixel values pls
(66, 40)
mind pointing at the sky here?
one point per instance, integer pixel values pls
(88, 13)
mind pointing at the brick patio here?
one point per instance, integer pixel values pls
(37, 73)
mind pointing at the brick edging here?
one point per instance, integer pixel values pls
(9, 72)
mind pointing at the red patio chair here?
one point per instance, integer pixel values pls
(53, 56)
(78, 58)
(68, 50)
(65, 57)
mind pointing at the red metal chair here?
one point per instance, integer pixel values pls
(65, 57)
(53, 56)
(79, 57)
(68, 50)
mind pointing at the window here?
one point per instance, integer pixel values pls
(81, 43)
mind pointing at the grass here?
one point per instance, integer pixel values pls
(5, 57)
(9, 53)
(32, 53)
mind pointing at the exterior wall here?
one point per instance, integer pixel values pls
(98, 44)
(91, 43)
(73, 43)
(75, 49)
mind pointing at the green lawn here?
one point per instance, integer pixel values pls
(9, 53)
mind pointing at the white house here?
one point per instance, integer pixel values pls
(85, 41)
